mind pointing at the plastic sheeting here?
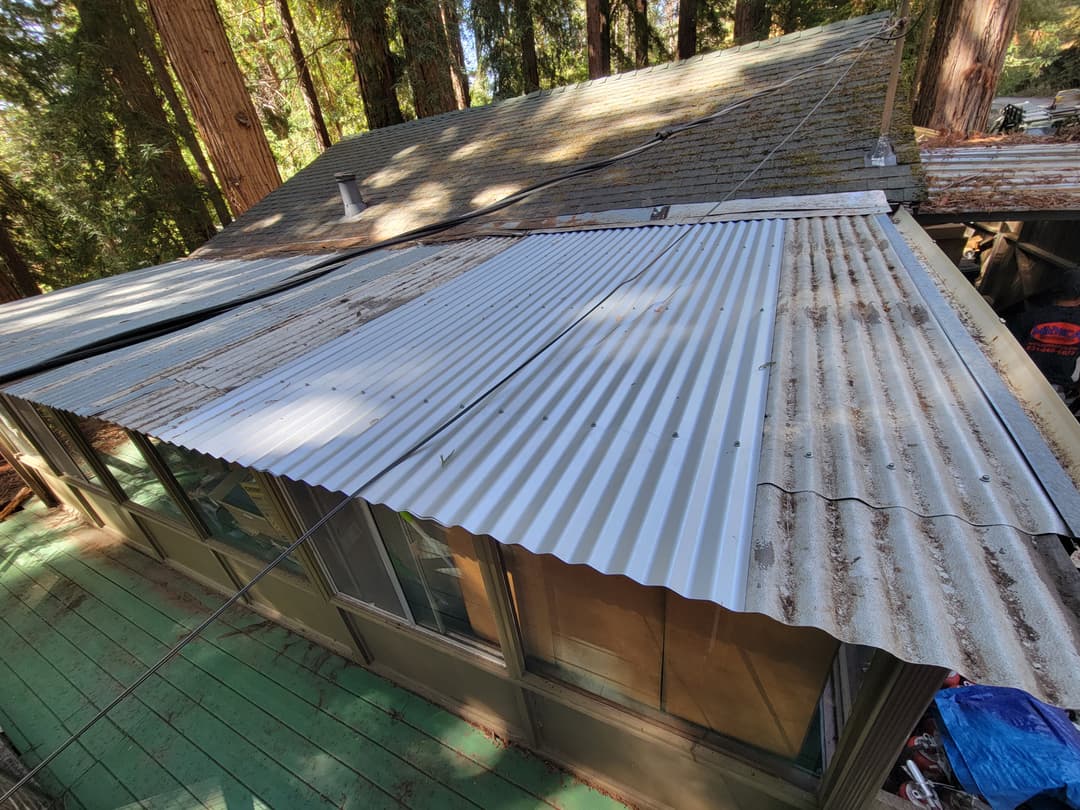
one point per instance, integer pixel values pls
(1008, 747)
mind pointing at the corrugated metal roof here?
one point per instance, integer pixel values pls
(148, 385)
(886, 533)
(47, 325)
(601, 396)
(1002, 177)
(869, 399)
(607, 441)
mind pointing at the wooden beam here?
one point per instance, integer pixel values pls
(891, 701)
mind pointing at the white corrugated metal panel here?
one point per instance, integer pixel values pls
(48, 325)
(148, 385)
(605, 447)
(869, 399)
(1003, 177)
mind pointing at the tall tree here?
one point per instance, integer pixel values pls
(687, 28)
(751, 21)
(18, 277)
(369, 45)
(107, 32)
(639, 13)
(303, 75)
(459, 76)
(598, 35)
(149, 47)
(523, 21)
(427, 55)
(194, 37)
(964, 63)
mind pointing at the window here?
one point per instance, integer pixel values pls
(742, 675)
(347, 547)
(129, 469)
(82, 465)
(231, 503)
(18, 439)
(439, 575)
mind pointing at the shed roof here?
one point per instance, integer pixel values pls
(1002, 175)
(429, 169)
(644, 401)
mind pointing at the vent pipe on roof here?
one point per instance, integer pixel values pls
(350, 194)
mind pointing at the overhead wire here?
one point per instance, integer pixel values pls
(860, 48)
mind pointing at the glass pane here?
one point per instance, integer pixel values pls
(15, 435)
(439, 573)
(346, 546)
(128, 467)
(231, 503)
(61, 435)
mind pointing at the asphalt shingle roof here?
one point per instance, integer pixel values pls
(429, 169)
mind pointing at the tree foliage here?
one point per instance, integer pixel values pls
(101, 172)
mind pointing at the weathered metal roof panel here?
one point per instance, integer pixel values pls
(150, 384)
(998, 605)
(869, 399)
(1002, 177)
(48, 325)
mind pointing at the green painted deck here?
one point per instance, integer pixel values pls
(252, 716)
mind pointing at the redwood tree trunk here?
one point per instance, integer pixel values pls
(20, 280)
(427, 56)
(194, 37)
(148, 45)
(459, 78)
(598, 31)
(751, 21)
(369, 44)
(964, 63)
(639, 10)
(527, 35)
(687, 28)
(141, 115)
(307, 86)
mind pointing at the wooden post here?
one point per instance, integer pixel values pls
(890, 702)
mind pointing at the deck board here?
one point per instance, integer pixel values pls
(251, 716)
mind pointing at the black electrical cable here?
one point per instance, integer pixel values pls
(167, 326)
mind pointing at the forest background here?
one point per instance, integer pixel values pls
(113, 155)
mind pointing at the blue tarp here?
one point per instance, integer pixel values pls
(1008, 747)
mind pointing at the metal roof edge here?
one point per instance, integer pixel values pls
(1059, 483)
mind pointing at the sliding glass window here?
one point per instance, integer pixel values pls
(75, 454)
(124, 460)
(232, 504)
(439, 573)
(347, 546)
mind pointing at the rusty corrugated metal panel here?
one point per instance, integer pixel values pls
(1002, 177)
(873, 519)
(146, 386)
(44, 326)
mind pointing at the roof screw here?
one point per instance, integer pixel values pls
(544, 418)
(984, 478)
(809, 455)
(737, 444)
(593, 424)
(890, 466)
(675, 435)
